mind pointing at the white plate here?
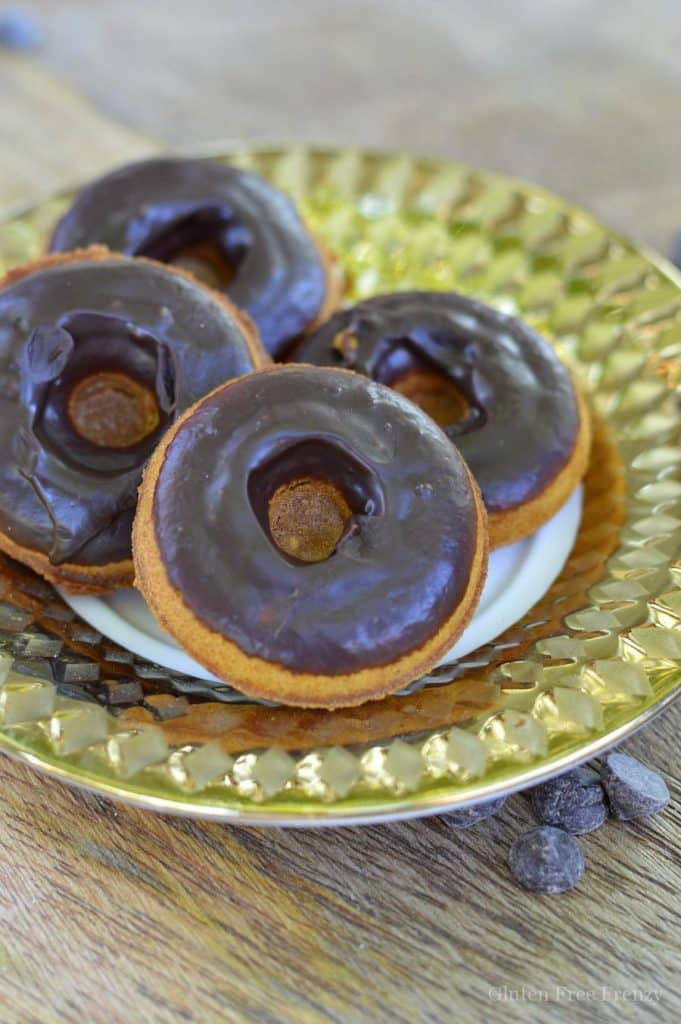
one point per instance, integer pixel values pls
(518, 576)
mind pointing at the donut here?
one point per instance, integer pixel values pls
(310, 536)
(230, 227)
(98, 355)
(495, 386)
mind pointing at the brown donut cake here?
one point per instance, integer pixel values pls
(310, 536)
(98, 355)
(494, 385)
(228, 226)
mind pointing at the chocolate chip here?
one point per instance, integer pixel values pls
(546, 859)
(574, 801)
(468, 816)
(633, 790)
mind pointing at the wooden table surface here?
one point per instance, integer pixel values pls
(108, 914)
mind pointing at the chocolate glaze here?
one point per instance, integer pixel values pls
(403, 563)
(162, 208)
(60, 494)
(523, 420)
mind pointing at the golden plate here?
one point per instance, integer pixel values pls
(597, 657)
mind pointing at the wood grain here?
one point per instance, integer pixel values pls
(581, 97)
(50, 137)
(109, 914)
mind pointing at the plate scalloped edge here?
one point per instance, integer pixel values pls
(616, 315)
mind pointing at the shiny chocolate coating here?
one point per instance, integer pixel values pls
(522, 421)
(403, 562)
(61, 494)
(166, 208)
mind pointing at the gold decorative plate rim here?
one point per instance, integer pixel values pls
(359, 811)
(426, 221)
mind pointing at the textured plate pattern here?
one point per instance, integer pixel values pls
(595, 658)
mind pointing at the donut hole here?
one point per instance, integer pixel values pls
(100, 391)
(436, 394)
(412, 374)
(209, 241)
(308, 496)
(307, 517)
(112, 410)
(206, 261)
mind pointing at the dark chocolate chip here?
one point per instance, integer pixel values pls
(574, 801)
(633, 790)
(547, 859)
(468, 816)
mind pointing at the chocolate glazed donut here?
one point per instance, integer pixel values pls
(98, 355)
(310, 536)
(495, 386)
(230, 227)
